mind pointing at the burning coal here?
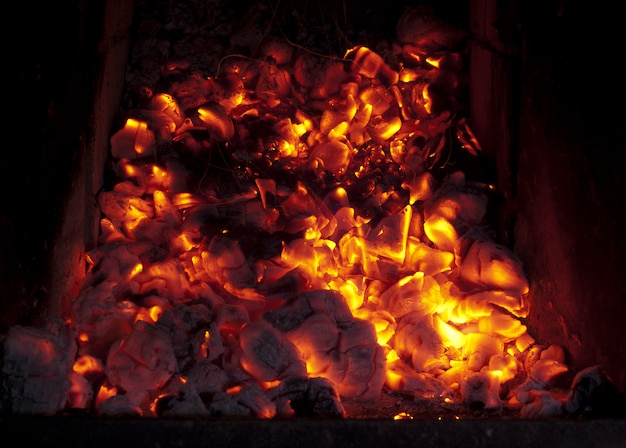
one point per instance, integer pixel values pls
(293, 232)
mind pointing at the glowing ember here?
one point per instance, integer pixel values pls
(289, 234)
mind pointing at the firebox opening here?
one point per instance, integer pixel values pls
(532, 197)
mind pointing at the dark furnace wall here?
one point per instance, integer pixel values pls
(52, 49)
(571, 216)
(546, 101)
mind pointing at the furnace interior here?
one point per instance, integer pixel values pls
(543, 84)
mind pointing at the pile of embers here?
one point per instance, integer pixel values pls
(291, 233)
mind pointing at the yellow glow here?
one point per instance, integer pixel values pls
(433, 61)
(141, 142)
(131, 170)
(388, 128)
(88, 257)
(441, 232)
(305, 120)
(383, 322)
(408, 75)
(105, 392)
(131, 226)
(409, 278)
(266, 187)
(341, 194)
(143, 315)
(217, 119)
(421, 187)
(109, 233)
(132, 124)
(427, 100)
(299, 252)
(352, 293)
(479, 348)
(403, 416)
(183, 242)
(450, 335)
(397, 149)
(132, 131)
(160, 199)
(155, 402)
(316, 364)
(206, 344)
(397, 96)
(392, 356)
(134, 217)
(158, 172)
(505, 367)
(287, 149)
(184, 200)
(155, 312)
(326, 244)
(455, 374)
(311, 234)
(164, 209)
(133, 139)
(167, 104)
(524, 342)
(378, 98)
(164, 100)
(137, 269)
(87, 364)
(501, 324)
(352, 249)
(83, 337)
(502, 273)
(339, 131)
(362, 116)
(365, 61)
(394, 380)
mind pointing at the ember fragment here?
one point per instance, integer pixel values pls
(134, 140)
(480, 390)
(307, 397)
(119, 405)
(266, 355)
(491, 265)
(36, 370)
(593, 394)
(185, 402)
(142, 361)
(207, 378)
(543, 404)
